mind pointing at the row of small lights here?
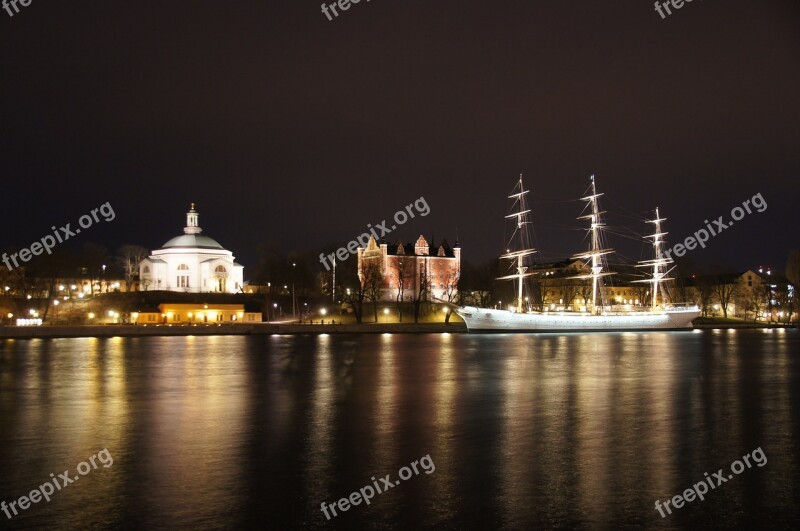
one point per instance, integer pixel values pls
(73, 287)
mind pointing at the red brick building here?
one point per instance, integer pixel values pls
(404, 266)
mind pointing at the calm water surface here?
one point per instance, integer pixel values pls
(525, 431)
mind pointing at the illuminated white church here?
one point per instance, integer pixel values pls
(191, 263)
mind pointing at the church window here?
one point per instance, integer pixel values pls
(183, 267)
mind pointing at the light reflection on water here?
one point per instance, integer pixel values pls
(525, 430)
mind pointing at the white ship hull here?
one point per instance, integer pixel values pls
(487, 319)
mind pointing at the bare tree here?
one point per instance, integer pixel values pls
(405, 274)
(364, 289)
(585, 292)
(705, 291)
(753, 298)
(725, 291)
(129, 257)
(642, 293)
(43, 276)
(569, 290)
(450, 292)
(423, 285)
(373, 280)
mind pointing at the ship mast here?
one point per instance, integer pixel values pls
(521, 233)
(595, 252)
(659, 262)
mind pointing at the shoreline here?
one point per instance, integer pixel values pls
(74, 331)
(80, 331)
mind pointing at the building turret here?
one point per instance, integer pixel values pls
(192, 219)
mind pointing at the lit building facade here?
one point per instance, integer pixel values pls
(403, 267)
(191, 263)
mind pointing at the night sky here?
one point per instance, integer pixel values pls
(282, 125)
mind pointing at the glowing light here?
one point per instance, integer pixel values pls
(91, 315)
(323, 312)
(61, 287)
(386, 311)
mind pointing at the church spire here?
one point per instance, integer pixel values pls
(192, 226)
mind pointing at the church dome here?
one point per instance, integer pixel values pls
(193, 240)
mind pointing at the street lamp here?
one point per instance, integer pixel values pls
(294, 300)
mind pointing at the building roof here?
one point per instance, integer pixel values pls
(191, 237)
(148, 301)
(409, 249)
(197, 241)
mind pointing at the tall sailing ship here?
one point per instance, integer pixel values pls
(597, 316)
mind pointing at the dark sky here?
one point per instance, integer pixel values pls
(285, 126)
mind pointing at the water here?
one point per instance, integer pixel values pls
(524, 431)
